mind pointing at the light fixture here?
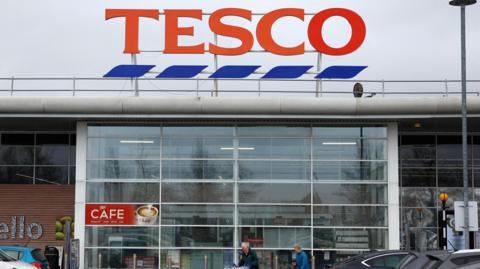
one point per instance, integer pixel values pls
(240, 148)
(417, 125)
(339, 143)
(137, 141)
(357, 90)
(459, 3)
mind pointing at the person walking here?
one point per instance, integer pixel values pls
(248, 257)
(301, 260)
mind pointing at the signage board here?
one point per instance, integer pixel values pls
(263, 32)
(460, 216)
(121, 214)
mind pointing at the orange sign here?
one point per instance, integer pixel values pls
(263, 30)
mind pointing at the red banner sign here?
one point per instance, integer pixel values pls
(121, 214)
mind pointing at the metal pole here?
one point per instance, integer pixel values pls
(134, 261)
(12, 85)
(135, 81)
(74, 86)
(464, 128)
(215, 64)
(205, 265)
(99, 260)
(318, 88)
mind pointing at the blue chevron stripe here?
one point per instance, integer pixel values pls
(287, 71)
(182, 71)
(340, 72)
(128, 71)
(235, 71)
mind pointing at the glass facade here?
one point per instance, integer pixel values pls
(431, 164)
(217, 186)
(37, 158)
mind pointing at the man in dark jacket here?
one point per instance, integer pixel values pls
(248, 257)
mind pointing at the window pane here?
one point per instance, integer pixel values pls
(123, 131)
(335, 132)
(193, 131)
(197, 192)
(350, 170)
(452, 177)
(360, 216)
(195, 258)
(275, 237)
(365, 239)
(418, 177)
(350, 149)
(118, 169)
(16, 155)
(120, 258)
(121, 236)
(123, 148)
(17, 139)
(274, 193)
(262, 131)
(418, 197)
(197, 169)
(197, 214)
(272, 170)
(16, 175)
(420, 217)
(274, 215)
(106, 192)
(52, 139)
(350, 194)
(274, 148)
(197, 147)
(197, 237)
(51, 175)
(52, 155)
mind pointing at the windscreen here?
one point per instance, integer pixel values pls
(5, 258)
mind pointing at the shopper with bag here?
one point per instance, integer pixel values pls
(248, 257)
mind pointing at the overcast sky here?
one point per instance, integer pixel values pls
(406, 39)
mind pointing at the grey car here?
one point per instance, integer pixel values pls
(464, 259)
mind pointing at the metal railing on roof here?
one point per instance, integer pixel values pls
(73, 86)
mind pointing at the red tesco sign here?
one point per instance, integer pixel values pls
(263, 30)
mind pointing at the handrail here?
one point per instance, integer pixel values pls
(380, 88)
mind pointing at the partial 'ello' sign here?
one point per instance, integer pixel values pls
(263, 30)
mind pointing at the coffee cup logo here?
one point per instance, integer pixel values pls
(147, 215)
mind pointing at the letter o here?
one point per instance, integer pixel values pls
(39, 232)
(359, 31)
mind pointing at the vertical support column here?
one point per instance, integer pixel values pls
(464, 130)
(235, 195)
(393, 188)
(80, 188)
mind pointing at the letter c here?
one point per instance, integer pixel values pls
(264, 31)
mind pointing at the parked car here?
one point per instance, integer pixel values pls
(463, 259)
(375, 260)
(7, 262)
(33, 256)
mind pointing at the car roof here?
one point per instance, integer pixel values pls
(374, 253)
(15, 248)
(467, 251)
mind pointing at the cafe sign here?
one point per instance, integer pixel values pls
(121, 214)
